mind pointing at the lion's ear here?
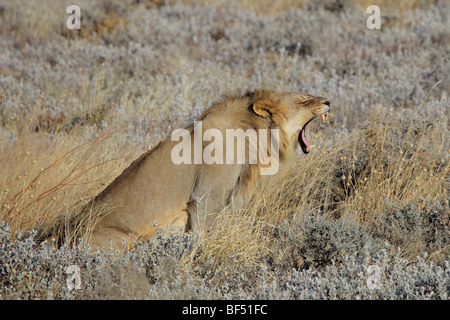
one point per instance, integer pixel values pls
(264, 108)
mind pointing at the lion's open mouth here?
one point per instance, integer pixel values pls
(304, 144)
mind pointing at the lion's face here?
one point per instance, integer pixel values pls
(303, 108)
(293, 111)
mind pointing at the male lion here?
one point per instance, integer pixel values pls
(154, 191)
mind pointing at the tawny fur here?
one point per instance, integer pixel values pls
(155, 192)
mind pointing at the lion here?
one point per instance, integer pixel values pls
(156, 191)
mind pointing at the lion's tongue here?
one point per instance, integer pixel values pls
(303, 141)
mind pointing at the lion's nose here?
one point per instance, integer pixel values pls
(327, 103)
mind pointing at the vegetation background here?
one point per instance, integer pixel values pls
(364, 216)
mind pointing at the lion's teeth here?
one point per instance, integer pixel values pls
(308, 149)
(324, 117)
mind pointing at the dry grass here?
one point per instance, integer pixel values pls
(77, 108)
(388, 159)
(275, 6)
(45, 177)
(394, 5)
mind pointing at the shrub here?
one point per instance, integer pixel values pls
(77, 106)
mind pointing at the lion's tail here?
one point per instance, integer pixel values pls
(56, 232)
(64, 230)
(69, 229)
(43, 234)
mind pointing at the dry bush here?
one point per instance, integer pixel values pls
(152, 66)
(35, 22)
(388, 159)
